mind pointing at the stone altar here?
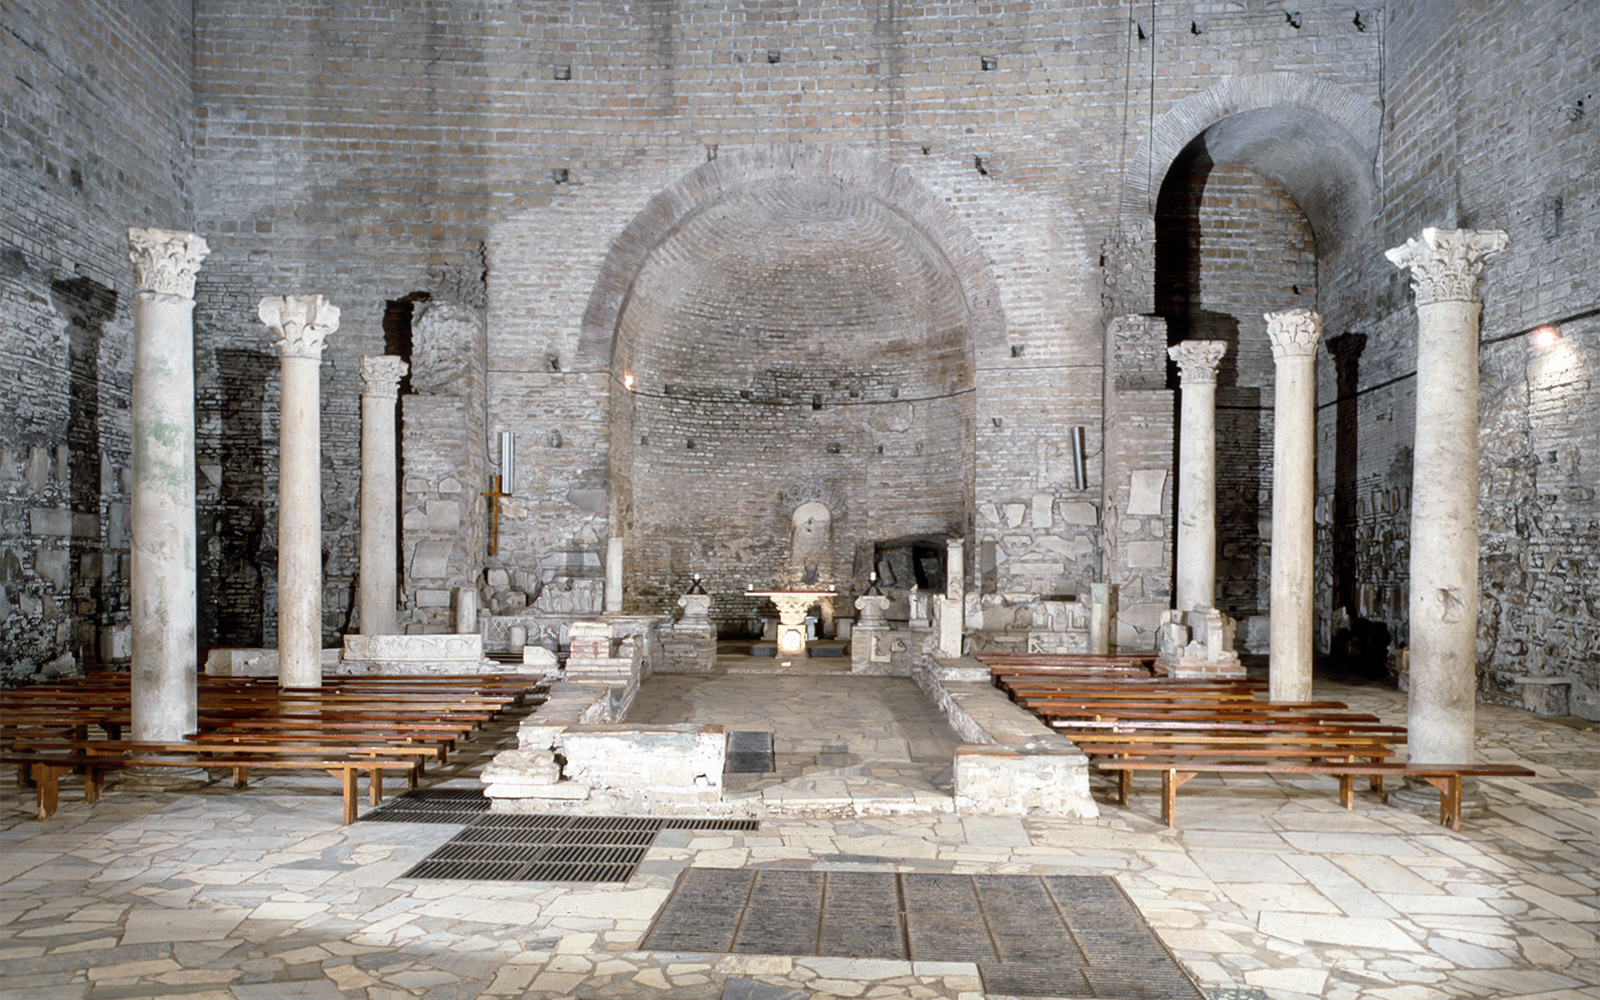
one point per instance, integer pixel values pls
(792, 607)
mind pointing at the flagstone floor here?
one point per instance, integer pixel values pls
(1267, 889)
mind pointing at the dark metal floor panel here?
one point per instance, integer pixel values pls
(1058, 936)
(432, 805)
(750, 752)
(519, 847)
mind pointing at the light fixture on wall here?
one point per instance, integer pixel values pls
(508, 461)
(555, 439)
(1080, 464)
(628, 381)
(1545, 337)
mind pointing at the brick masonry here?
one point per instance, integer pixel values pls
(993, 221)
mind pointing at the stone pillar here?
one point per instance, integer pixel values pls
(1294, 334)
(869, 652)
(613, 596)
(163, 522)
(1101, 613)
(466, 611)
(953, 605)
(1446, 266)
(299, 324)
(1197, 472)
(380, 376)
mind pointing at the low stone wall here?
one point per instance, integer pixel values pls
(1011, 763)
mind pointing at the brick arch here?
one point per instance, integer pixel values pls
(1336, 167)
(892, 186)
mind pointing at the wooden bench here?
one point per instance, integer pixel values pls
(1447, 778)
(46, 770)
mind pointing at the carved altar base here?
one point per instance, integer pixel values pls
(1197, 645)
(415, 654)
(792, 606)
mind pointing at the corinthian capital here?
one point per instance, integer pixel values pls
(380, 374)
(299, 323)
(1293, 332)
(1197, 360)
(165, 260)
(1447, 264)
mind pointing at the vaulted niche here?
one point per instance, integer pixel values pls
(792, 382)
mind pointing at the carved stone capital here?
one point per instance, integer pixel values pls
(1293, 332)
(380, 374)
(1197, 360)
(165, 260)
(299, 323)
(1446, 265)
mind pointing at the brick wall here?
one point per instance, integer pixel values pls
(96, 118)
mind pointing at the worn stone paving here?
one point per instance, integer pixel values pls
(1267, 885)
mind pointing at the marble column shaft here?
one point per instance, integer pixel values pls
(163, 467)
(1294, 334)
(380, 376)
(613, 592)
(1197, 472)
(1446, 267)
(300, 325)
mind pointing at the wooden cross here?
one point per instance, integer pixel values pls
(494, 496)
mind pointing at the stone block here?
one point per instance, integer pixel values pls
(1043, 510)
(993, 780)
(1079, 512)
(50, 521)
(432, 560)
(1545, 695)
(1146, 555)
(433, 598)
(54, 566)
(443, 515)
(1144, 491)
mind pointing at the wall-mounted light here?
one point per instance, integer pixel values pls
(564, 72)
(508, 461)
(555, 439)
(628, 381)
(773, 56)
(1080, 463)
(989, 63)
(1545, 337)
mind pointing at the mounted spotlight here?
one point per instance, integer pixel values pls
(1545, 337)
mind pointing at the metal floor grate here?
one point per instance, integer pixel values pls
(1055, 935)
(518, 847)
(432, 805)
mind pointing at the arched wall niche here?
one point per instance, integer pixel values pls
(791, 325)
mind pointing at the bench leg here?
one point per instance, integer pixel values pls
(1171, 780)
(375, 785)
(1347, 790)
(1124, 786)
(241, 777)
(47, 791)
(347, 777)
(413, 774)
(1449, 786)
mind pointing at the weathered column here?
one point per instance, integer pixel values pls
(1101, 614)
(163, 523)
(299, 324)
(1197, 472)
(613, 594)
(952, 606)
(1294, 334)
(380, 378)
(1446, 267)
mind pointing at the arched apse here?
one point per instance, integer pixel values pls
(1314, 139)
(1250, 184)
(783, 325)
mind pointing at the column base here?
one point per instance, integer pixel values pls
(1421, 798)
(160, 779)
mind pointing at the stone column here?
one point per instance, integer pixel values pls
(613, 596)
(299, 324)
(380, 377)
(952, 606)
(1294, 334)
(1197, 472)
(466, 611)
(163, 523)
(1101, 614)
(1446, 267)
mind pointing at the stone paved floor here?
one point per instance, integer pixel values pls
(1268, 887)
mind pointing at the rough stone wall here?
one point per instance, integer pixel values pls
(1484, 129)
(96, 116)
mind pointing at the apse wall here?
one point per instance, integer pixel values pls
(96, 120)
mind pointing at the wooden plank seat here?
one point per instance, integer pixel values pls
(46, 769)
(272, 747)
(1445, 777)
(437, 747)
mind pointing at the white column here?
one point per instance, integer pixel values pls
(299, 324)
(613, 596)
(1294, 334)
(163, 522)
(1197, 472)
(380, 377)
(1446, 268)
(953, 606)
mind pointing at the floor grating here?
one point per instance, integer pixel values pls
(1054, 935)
(432, 805)
(519, 847)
